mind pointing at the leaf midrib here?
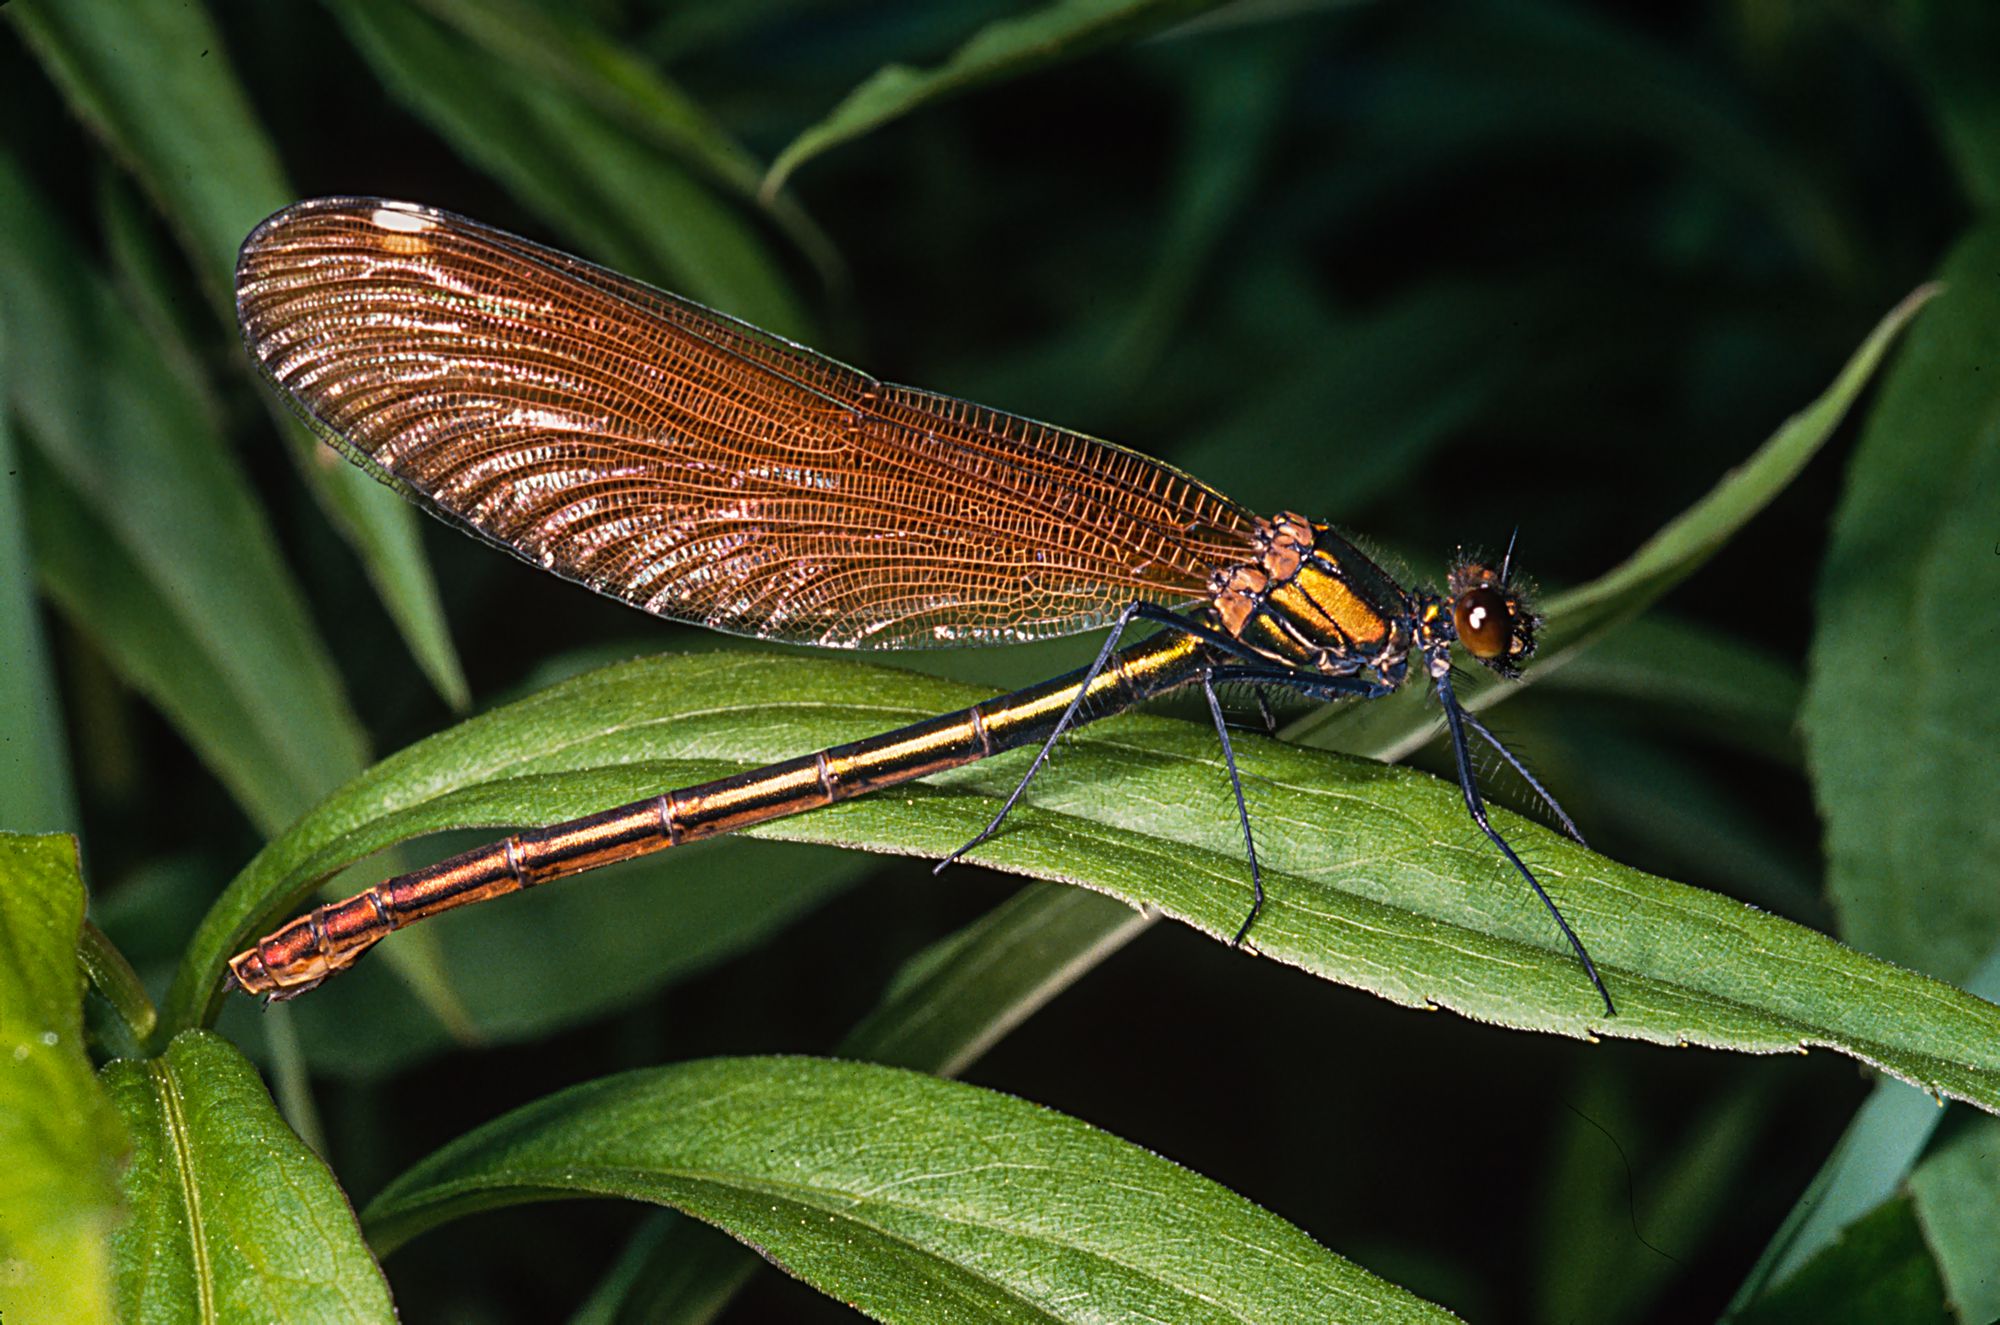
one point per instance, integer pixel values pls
(174, 1121)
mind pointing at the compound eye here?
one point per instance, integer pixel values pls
(1484, 621)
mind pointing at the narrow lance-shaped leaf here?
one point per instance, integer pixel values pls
(987, 971)
(1902, 763)
(954, 1001)
(571, 53)
(199, 616)
(589, 177)
(1375, 878)
(152, 79)
(131, 442)
(100, 585)
(1002, 49)
(946, 1007)
(925, 1200)
(112, 978)
(1721, 686)
(1394, 727)
(35, 793)
(1676, 945)
(154, 82)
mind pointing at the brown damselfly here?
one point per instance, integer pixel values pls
(705, 471)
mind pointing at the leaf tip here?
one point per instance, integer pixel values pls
(1907, 307)
(774, 178)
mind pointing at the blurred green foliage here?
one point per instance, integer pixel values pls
(1436, 271)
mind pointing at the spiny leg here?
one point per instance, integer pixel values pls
(1134, 612)
(1313, 685)
(1264, 711)
(1534, 784)
(1242, 811)
(1455, 720)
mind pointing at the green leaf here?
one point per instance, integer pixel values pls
(1674, 553)
(509, 767)
(1374, 875)
(112, 978)
(1866, 1167)
(1006, 48)
(35, 793)
(152, 80)
(382, 529)
(1956, 1194)
(1394, 727)
(232, 1218)
(141, 264)
(1898, 739)
(130, 440)
(159, 651)
(568, 51)
(947, 1006)
(907, 1197)
(588, 176)
(1878, 1271)
(59, 1138)
(1870, 1163)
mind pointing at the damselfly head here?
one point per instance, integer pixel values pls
(1492, 617)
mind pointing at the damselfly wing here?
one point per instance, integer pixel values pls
(705, 471)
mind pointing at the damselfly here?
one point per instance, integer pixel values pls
(705, 471)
